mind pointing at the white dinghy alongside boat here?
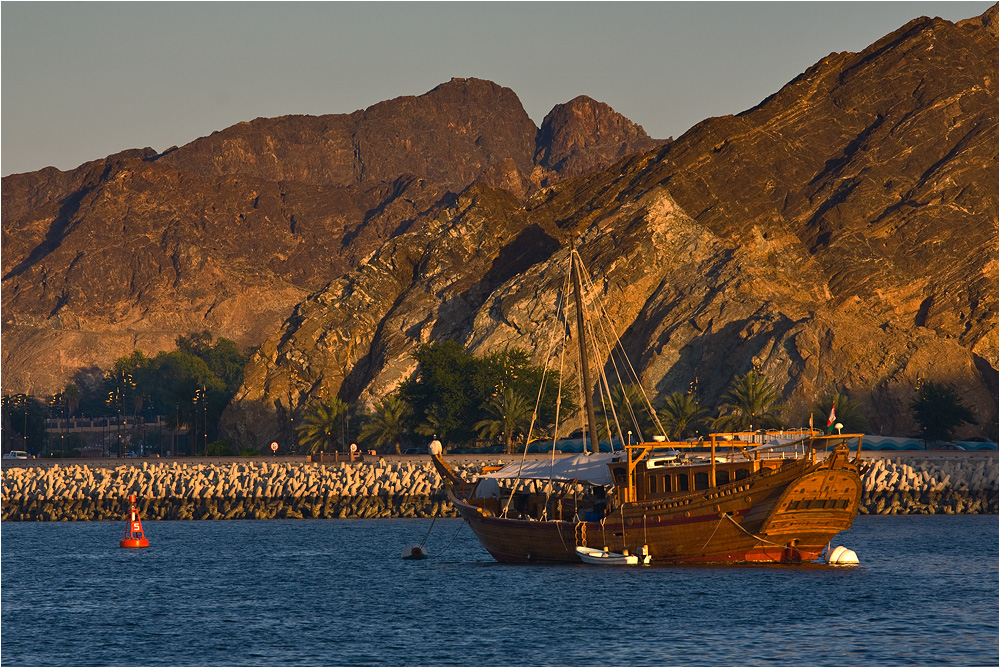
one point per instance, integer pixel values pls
(590, 555)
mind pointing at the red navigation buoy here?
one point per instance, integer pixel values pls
(134, 536)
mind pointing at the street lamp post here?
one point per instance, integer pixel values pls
(24, 402)
(24, 430)
(194, 411)
(204, 415)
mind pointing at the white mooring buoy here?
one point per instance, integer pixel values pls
(841, 556)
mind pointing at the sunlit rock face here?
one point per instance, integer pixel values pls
(841, 235)
(230, 232)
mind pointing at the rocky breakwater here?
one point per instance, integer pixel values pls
(238, 490)
(912, 484)
(921, 485)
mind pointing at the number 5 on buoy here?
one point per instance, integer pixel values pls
(134, 535)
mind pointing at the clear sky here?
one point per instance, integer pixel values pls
(83, 80)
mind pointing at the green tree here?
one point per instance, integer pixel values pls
(451, 389)
(72, 396)
(512, 369)
(440, 393)
(387, 423)
(681, 415)
(198, 344)
(322, 425)
(187, 386)
(939, 411)
(219, 449)
(750, 403)
(228, 363)
(848, 413)
(432, 426)
(92, 383)
(223, 357)
(508, 417)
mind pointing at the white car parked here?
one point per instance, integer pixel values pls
(16, 454)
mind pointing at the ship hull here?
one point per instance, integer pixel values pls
(785, 516)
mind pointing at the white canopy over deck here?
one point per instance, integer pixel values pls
(590, 468)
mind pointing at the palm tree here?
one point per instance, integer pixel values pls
(322, 424)
(751, 402)
(630, 406)
(433, 424)
(387, 424)
(509, 415)
(681, 415)
(71, 395)
(848, 413)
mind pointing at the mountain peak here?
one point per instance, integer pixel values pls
(987, 19)
(584, 134)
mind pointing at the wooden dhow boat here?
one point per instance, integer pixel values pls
(737, 497)
(780, 501)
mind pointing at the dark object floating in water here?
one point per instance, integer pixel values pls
(415, 552)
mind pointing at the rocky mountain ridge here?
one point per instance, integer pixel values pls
(841, 235)
(229, 232)
(823, 236)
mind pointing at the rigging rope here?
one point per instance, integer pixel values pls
(559, 533)
(605, 391)
(555, 428)
(607, 349)
(534, 416)
(606, 317)
(627, 404)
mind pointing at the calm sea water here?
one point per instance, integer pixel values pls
(335, 592)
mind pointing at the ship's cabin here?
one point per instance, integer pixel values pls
(662, 470)
(576, 488)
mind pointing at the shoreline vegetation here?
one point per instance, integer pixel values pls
(917, 483)
(174, 403)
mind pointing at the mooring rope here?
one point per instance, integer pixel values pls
(451, 542)
(433, 520)
(561, 539)
(719, 524)
(739, 526)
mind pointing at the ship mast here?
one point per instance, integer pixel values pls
(588, 390)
